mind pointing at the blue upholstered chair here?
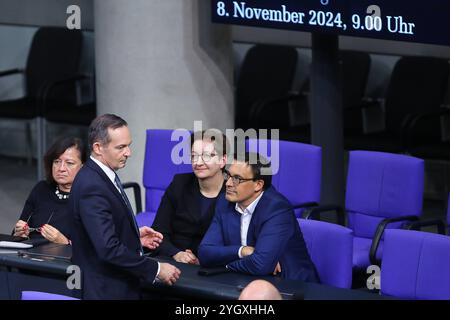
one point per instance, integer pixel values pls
(159, 169)
(299, 171)
(37, 295)
(384, 190)
(330, 247)
(415, 265)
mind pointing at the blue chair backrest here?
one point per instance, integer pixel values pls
(37, 295)
(330, 247)
(159, 167)
(415, 265)
(299, 169)
(382, 185)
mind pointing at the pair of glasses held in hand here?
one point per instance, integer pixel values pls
(38, 229)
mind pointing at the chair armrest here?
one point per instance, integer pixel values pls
(368, 103)
(258, 107)
(314, 213)
(379, 233)
(408, 131)
(417, 225)
(136, 194)
(50, 86)
(305, 205)
(431, 114)
(10, 72)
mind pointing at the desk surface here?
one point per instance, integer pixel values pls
(54, 259)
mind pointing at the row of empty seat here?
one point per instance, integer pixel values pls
(51, 77)
(412, 108)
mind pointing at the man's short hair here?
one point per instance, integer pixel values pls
(259, 165)
(98, 130)
(220, 141)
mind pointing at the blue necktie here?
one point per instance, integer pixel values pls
(127, 202)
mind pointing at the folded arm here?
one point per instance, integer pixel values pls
(270, 245)
(212, 251)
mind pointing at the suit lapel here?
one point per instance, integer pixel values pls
(251, 233)
(108, 182)
(233, 225)
(91, 164)
(251, 239)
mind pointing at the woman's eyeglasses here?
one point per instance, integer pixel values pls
(205, 156)
(38, 229)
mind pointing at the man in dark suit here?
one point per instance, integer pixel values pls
(106, 242)
(254, 229)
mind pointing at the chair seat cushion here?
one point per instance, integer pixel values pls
(37, 295)
(361, 249)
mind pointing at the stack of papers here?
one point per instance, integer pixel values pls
(15, 245)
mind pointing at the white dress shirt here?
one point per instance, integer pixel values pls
(112, 176)
(107, 170)
(246, 218)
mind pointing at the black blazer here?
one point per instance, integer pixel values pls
(179, 218)
(105, 242)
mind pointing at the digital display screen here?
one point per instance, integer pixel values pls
(401, 20)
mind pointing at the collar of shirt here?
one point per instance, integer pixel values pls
(250, 208)
(107, 170)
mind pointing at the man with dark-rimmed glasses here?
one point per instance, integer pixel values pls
(254, 229)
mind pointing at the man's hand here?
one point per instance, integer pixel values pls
(21, 229)
(168, 273)
(277, 269)
(247, 250)
(52, 234)
(150, 238)
(186, 257)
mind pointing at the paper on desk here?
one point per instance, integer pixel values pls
(8, 251)
(15, 245)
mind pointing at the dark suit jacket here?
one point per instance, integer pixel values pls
(179, 218)
(273, 231)
(105, 242)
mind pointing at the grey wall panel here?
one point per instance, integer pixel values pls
(44, 12)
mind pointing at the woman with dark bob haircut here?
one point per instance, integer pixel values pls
(45, 213)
